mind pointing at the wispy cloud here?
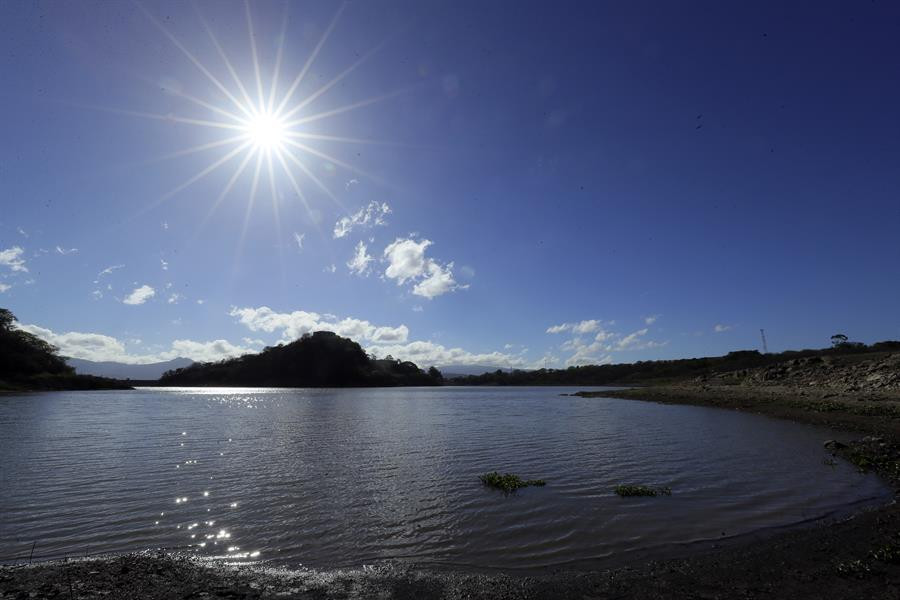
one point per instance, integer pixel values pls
(359, 263)
(365, 218)
(298, 237)
(4, 287)
(140, 295)
(721, 328)
(109, 270)
(650, 320)
(65, 251)
(22, 232)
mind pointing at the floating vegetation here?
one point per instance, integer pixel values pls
(641, 490)
(508, 482)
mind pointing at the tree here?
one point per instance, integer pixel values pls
(838, 339)
(435, 374)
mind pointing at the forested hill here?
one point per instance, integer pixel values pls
(29, 363)
(321, 359)
(659, 371)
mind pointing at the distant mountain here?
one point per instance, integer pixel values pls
(321, 359)
(455, 370)
(119, 370)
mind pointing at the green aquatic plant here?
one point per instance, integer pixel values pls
(508, 482)
(641, 490)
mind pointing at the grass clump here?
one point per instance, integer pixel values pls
(626, 491)
(508, 482)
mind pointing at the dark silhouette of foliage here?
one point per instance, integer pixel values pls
(320, 359)
(28, 362)
(838, 339)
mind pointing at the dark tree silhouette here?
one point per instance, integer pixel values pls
(321, 359)
(838, 339)
(28, 362)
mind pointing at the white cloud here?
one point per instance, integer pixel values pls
(426, 354)
(365, 218)
(4, 287)
(382, 340)
(599, 350)
(406, 259)
(407, 262)
(720, 328)
(632, 340)
(294, 324)
(22, 232)
(109, 270)
(99, 347)
(140, 295)
(330, 268)
(417, 308)
(298, 237)
(359, 264)
(438, 282)
(63, 251)
(650, 320)
(174, 298)
(588, 326)
(164, 264)
(201, 301)
(97, 294)
(12, 258)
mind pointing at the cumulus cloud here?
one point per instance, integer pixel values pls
(720, 328)
(12, 258)
(426, 354)
(294, 324)
(365, 218)
(99, 347)
(359, 264)
(140, 295)
(407, 262)
(439, 280)
(406, 259)
(598, 348)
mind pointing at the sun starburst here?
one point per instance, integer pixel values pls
(265, 127)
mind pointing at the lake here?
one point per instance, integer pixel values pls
(342, 478)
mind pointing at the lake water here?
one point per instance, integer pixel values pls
(339, 478)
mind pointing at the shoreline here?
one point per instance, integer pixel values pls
(853, 557)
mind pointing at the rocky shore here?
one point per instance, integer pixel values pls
(853, 558)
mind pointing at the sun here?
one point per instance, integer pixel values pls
(266, 132)
(264, 124)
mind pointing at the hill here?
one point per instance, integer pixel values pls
(119, 370)
(320, 359)
(665, 371)
(29, 363)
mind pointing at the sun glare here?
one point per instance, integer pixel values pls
(266, 132)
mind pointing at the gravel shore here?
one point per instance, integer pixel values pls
(857, 557)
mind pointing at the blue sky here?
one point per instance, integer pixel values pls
(515, 184)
